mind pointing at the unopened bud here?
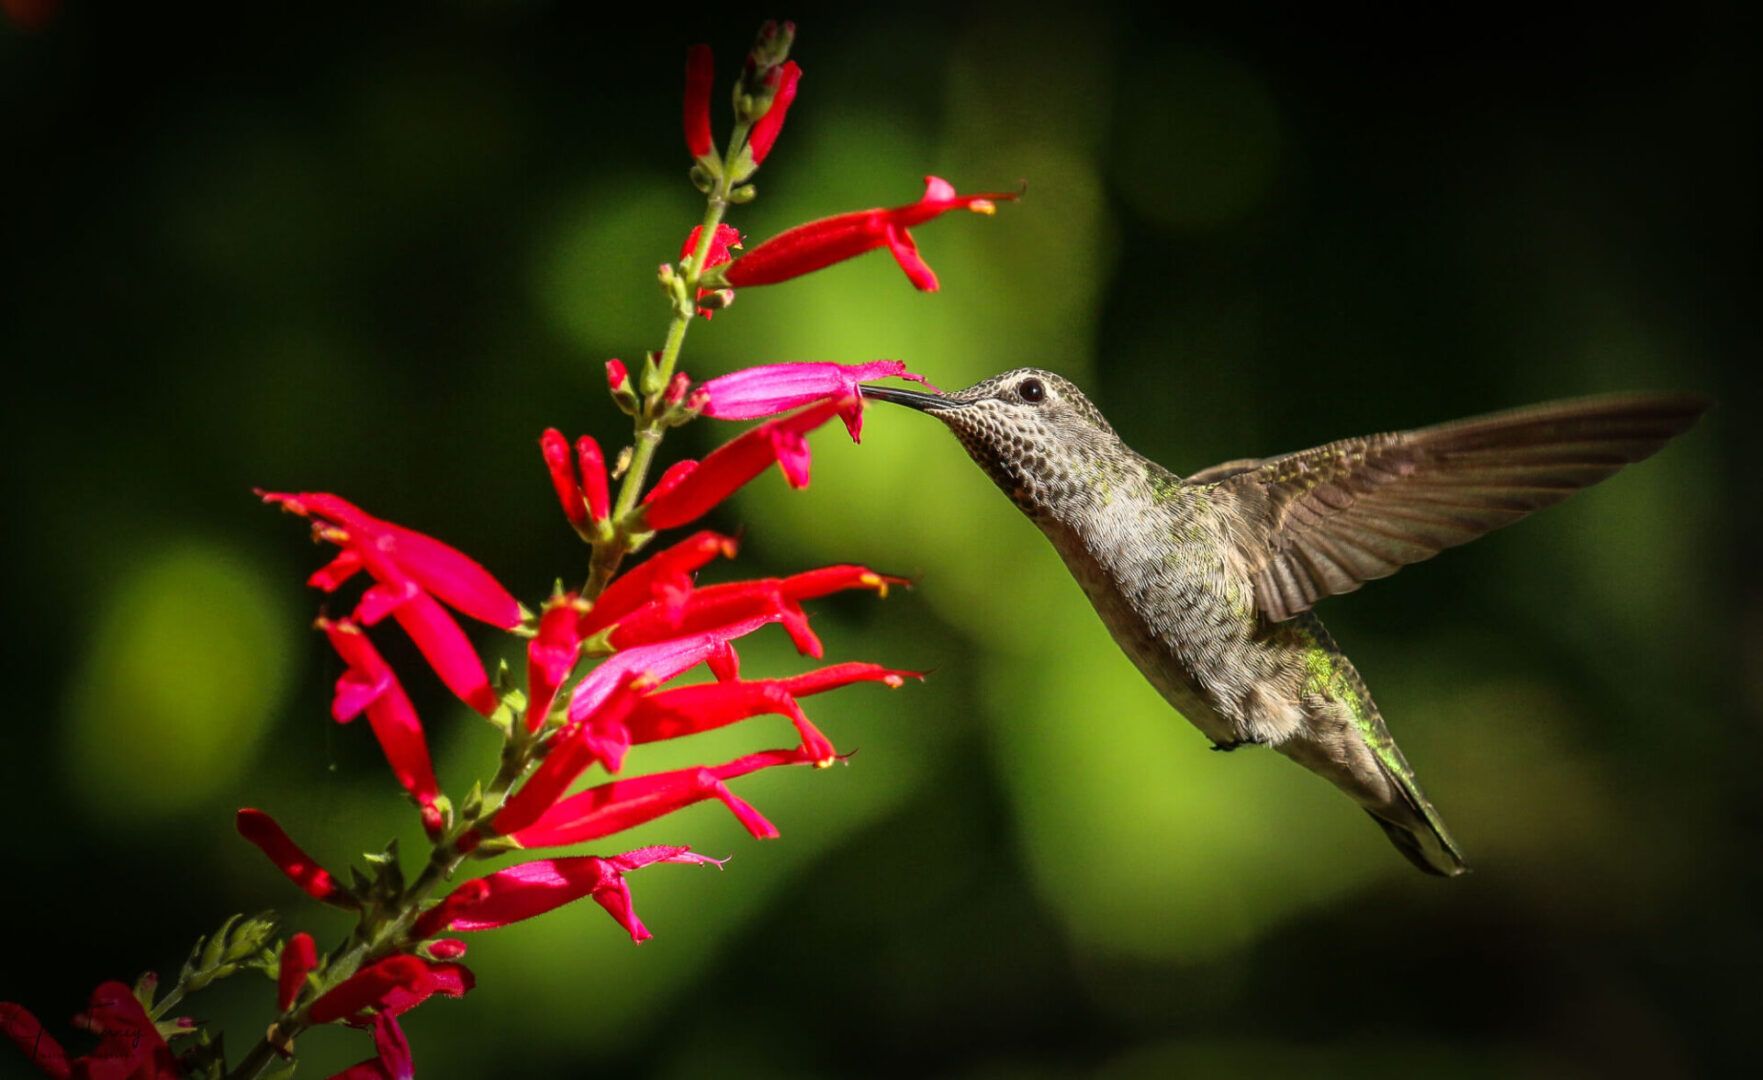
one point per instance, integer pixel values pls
(676, 389)
(743, 195)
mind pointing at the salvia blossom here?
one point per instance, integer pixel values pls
(396, 985)
(579, 479)
(728, 467)
(302, 869)
(411, 571)
(533, 888)
(700, 73)
(369, 685)
(782, 83)
(129, 1043)
(819, 244)
(392, 1058)
(774, 388)
(722, 243)
(299, 957)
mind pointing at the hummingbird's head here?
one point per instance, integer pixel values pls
(1032, 431)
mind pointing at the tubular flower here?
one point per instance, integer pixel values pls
(396, 984)
(731, 465)
(411, 572)
(551, 654)
(392, 1060)
(774, 388)
(301, 868)
(299, 957)
(533, 888)
(722, 242)
(666, 578)
(700, 73)
(782, 82)
(129, 1043)
(555, 449)
(593, 467)
(819, 244)
(687, 710)
(595, 730)
(624, 804)
(369, 685)
(779, 599)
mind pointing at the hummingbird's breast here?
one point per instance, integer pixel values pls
(1156, 561)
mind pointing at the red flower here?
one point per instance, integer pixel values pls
(722, 241)
(666, 578)
(533, 888)
(551, 654)
(593, 467)
(393, 1059)
(396, 984)
(687, 710)
(782, 82)
(775, 599)
(555, 449)
(129, 1044)
(595, 730)
(370, 685)
(411, 571)
(731, 465)
(625, 804)
(819, 244)
(299, 957)
(618, 378)
(301, 868)
(774, 388)
(700, 72)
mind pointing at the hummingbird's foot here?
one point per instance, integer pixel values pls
(1227, 747)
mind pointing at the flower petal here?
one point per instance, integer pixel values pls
(624, 804)
(534, 888)
(593, 467)
(766, 128)
(700, 73)
(299, 957)
(905, 252)
(665, 576)
(555, 450)
(731, 465)
(304, 871)
(28, 1034)
(444, 645)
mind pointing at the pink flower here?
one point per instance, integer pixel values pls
(773, 388)
(625, 804)
(728, 467)
(700, 73)
(392, 1060)
(820, 244)
(782, 82)
(299, 957)
(775, 599)
(396, 984)
(129, 1044)
(725, 238)
(301, 868)
(533, 888)
(369, 685)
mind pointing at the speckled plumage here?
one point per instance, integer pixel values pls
(1206, 582)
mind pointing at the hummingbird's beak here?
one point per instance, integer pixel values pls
(912, 399)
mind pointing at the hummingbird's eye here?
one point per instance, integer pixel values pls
(1031, 391)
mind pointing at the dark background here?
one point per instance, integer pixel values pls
(376, 252)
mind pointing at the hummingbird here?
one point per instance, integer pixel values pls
(1207, 581)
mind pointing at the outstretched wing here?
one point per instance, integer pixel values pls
(1333, 518)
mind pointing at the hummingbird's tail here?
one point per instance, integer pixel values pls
(1425, 843)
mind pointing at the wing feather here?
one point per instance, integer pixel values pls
(1333, 518)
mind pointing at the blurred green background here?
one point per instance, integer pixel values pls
(377, 251)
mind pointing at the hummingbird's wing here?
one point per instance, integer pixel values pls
(1330, 519)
